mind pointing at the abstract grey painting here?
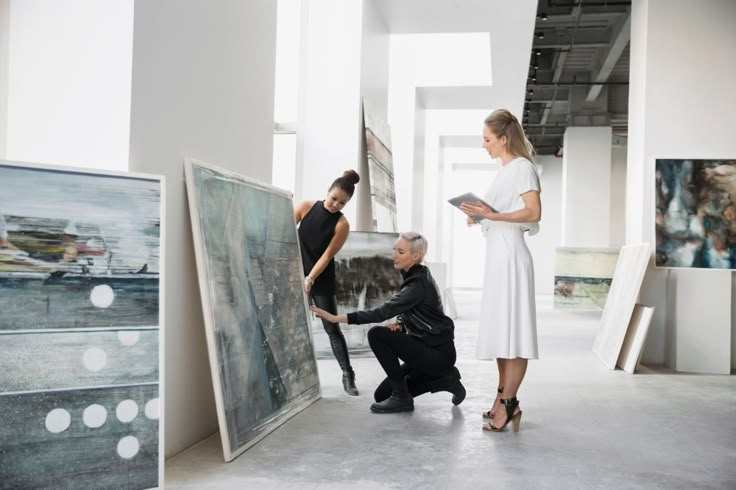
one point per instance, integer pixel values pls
(80, 272)
(366, 278)
(380, 171)
(695, 223)
(256, 318)
(583, 277)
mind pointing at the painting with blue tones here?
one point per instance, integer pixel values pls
(80, 274)
(256, 318)
(695, 213)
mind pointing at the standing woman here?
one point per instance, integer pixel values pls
(322, 232)
(508, 321)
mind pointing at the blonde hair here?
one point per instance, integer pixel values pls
(503, 123)
(417, 243)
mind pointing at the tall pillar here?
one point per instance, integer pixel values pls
(586, 187)
(4, 65)
(203, 85)
(672, 115)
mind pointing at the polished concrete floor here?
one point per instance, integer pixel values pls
(583, 427)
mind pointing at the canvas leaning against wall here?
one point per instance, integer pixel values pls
(80, 281)
(256, 318)
(365, 278)
(380, 171)
(583, 277)
(695, 223)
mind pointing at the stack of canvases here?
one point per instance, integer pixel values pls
(80, 268)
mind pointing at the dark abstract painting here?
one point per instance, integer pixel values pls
(256, 320)
(80, 259)
(696, 213)
(366, 278)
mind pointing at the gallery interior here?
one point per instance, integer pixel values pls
(118, 103)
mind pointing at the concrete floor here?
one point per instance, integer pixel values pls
(583, 427)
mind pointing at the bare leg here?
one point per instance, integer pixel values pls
(513, 375)
(500, 392)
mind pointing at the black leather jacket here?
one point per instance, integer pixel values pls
(417, 306)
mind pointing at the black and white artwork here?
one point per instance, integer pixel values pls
(380, 171)
(366, 278)
(256, 318)
(80, 275)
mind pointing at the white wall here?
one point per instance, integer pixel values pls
(679, 107)
(617, 236)
(328, 129)
(203, 85)
(586, 187)
(4, 52)
(69, 82)
(543, 244)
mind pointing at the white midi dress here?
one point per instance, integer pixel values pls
(508, 316)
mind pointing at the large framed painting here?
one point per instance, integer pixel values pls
(81, 272)
(695, 223)
(255, 309)
(583, 277)
(380, 171)
(366, 278)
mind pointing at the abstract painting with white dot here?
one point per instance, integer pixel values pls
(256, 318)
(80, 274)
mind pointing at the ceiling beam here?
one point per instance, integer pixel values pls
(560, 59)
(619, 41)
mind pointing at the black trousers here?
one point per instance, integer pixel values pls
(422, 364)
(337, 339)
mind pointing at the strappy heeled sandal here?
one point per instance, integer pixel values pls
(490, 413)
(511, 405)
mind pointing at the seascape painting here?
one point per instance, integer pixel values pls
(695, 223)
(80, 275)
(583, 277)
(366, 278)
(256, 318)
(380, 171)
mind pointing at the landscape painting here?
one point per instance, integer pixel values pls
(366, 278)
(380, 172)
(80, 276)
(583, 277)
(695, 222)
(256, 318)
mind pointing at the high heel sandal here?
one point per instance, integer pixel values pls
(490, 413)
(511, 405)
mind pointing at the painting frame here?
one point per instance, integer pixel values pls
(127, 334)
(230, 451)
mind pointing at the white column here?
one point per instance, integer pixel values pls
(203, 85)
(586, 187)
(328, 126)
(679, 114)
(4, 54)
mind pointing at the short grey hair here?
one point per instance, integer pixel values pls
(417, 243)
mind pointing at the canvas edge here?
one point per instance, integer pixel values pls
(206, 302)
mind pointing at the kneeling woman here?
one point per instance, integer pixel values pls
(422, 337)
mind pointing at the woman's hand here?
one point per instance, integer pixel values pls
(308, 281)
(320, 313)
(470, 221)
(394, 327)
(477, 209)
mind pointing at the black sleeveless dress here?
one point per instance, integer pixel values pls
(315, 233)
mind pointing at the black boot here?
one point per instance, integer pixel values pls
(348, 382)
(399, 401)
(449, 382)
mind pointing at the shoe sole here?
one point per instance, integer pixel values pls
(402, 409)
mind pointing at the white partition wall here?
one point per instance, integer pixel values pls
(586, 187)
(679, 114)
(203, 84)
(4, 52)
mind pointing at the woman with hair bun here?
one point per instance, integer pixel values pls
(323, 230)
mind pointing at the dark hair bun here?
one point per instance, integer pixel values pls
(351, 176)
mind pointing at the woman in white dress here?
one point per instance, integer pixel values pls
(508, 323)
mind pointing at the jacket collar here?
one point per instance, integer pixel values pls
(415, 269)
